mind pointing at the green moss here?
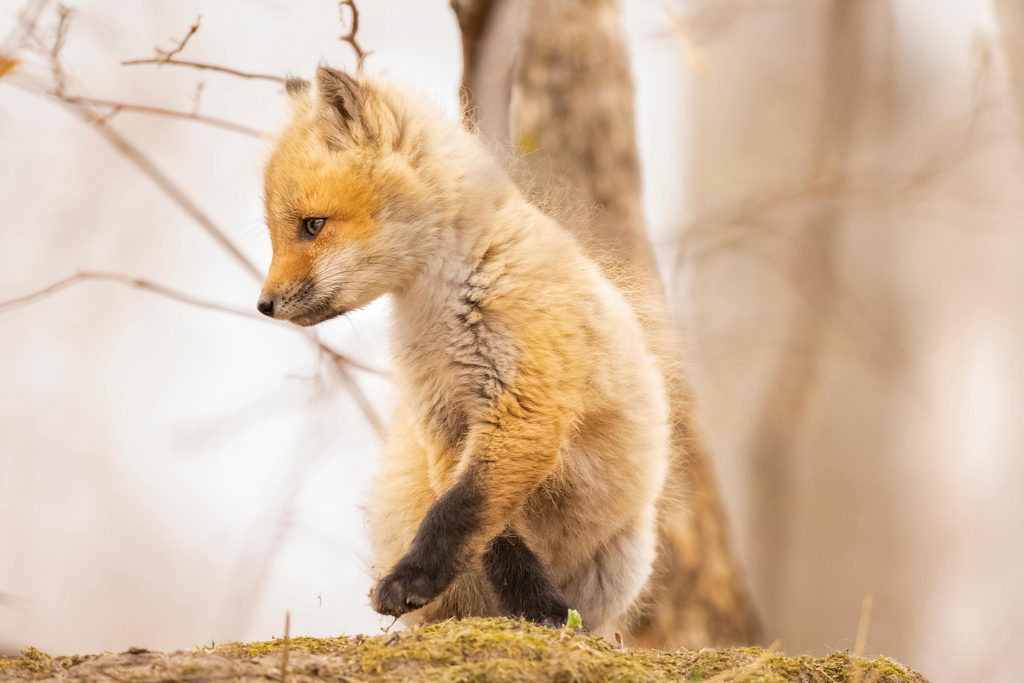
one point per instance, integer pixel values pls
(314, 646)
(32, 661)
(471, 650)
(504, 650)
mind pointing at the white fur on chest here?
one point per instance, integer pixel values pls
(453, 354)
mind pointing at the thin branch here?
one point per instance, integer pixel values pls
(12, 601)
(59, 77)
(27, 20)
(167, 57)
(177, 295)
(350, 37)
(138, 283)
(134, 155)
(172, 190)
(198, 96)
(158, 111)
(83, 107)
(207, 67)
(346, 378)
(340, 362)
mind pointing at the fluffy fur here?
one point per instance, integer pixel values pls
(531, 441)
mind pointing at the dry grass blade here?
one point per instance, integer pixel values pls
(861, 643)
(284, 651)
(741, 674)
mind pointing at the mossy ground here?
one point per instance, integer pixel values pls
(471, 650)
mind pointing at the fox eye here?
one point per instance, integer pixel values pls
(311, 227)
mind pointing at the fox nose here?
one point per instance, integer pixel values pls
(266, 307)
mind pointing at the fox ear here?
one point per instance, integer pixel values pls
(296, 87)
(298, 92)
(342, 93)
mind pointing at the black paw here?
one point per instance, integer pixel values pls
(551, 611)
(407, 588)
(559, 623)
(550, 621)
(563, 618)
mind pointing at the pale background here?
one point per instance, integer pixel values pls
(171, 476)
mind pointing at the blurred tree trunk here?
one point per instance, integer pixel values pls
(552, 78)
(811, 271)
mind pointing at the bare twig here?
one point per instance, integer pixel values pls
(206, 67)
(27, 20)
(169, 292)
(59, 77)
(171, 189)
(198, 96)
(341, 367)
(138, 283)
(158, 111)
(12, 601)
(84, 108)
(350, 37)
(167, 57)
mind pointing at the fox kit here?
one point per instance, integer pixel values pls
(530, 444)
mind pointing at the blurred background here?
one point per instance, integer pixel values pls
(834, 192)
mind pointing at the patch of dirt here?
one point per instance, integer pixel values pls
(477, 650)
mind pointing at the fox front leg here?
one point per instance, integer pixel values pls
(438, 554)
(506, 458)
(521, 581)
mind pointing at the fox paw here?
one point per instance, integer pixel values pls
(550, 621)
(405, 589)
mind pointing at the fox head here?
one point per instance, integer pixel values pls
(350, 218)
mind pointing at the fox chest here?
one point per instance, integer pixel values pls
(451, 378)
